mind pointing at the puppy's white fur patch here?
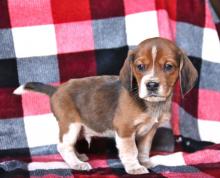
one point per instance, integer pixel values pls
(128, 155)
(154, 53)
(142, 89)
(20, 90)
(67, 150)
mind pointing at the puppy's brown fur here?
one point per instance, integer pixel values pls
(123, 106)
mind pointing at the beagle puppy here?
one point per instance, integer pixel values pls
(128, 107)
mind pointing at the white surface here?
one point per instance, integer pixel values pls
(209, 130)
(34, 41)
(41, 130)
(141, 26)
(211, 46)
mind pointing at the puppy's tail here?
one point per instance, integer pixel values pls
(35, 86)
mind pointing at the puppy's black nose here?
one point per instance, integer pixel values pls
(152, 86)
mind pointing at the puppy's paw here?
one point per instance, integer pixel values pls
(147, 163)
(137, 170)
(83, 166)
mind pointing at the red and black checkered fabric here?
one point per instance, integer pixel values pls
(52, 41)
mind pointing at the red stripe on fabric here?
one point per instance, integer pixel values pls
(208, 108)
(175, 119)
(46, 158)
(52, 175)
(70, 11)
(77, 65)
(136, 6)
(74, 37)
(10, 104)
(98, 161)
(192, 174)
(35, 104)
(106, 173)
(169, 6)
(208, 17)
(18, 158)
(28, 13)
(167, 26)
(202, 157)
(4, 15)
(191, 12)
(166, 13)
(106, 8)
(177, 95)
(208, 104)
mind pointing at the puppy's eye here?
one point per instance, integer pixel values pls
(168, 67)
(141, 67)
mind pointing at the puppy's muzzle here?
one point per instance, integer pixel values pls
(152, 86)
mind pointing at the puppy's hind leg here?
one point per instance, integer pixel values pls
(67, 150)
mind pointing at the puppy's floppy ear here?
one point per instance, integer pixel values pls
(125, 75)
(188, 74)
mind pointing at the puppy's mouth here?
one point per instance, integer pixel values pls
(154, 97)
(152, 94)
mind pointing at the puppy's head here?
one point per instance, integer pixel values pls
(156, 65)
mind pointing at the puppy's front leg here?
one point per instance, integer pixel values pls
(128, 155)
(144, 147)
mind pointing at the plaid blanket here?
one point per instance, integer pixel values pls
(52, 41)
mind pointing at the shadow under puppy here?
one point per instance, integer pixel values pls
(129, 107)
